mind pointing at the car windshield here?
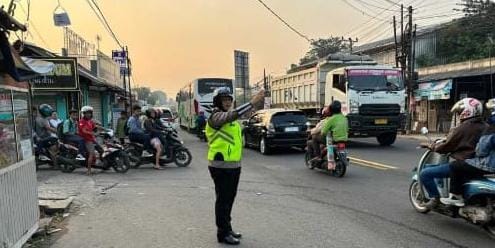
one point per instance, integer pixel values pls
(166, 114)
(375, 80)
(285, 118)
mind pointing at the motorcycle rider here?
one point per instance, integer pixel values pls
(70, 133)
(155, 133)
(316, 140)
(86, 129)
(45, 133)
(337, 125)
(136, 131)
(224, 157)
(460, 144)
(483, 163)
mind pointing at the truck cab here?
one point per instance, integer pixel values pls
(373, 99)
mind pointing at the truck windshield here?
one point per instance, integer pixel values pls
(375, 80)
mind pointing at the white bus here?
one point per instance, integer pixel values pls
(197, 96)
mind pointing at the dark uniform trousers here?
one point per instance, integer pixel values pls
(226, 182)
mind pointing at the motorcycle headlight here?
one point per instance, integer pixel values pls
(353, 107)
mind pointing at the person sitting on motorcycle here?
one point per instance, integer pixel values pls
(86, 129)
(316, 140)
(460, 144)
(136, 131)
(45, 133)
(483, 163)
(336, 125)
(155, 133)
(69, 133)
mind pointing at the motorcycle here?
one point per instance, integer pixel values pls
(340, 156)
(479, 194)
(109, 154)
(175, 152)
(64, 154)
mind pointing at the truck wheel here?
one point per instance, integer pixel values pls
(386, 139)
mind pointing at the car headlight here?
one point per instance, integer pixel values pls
(353, 107)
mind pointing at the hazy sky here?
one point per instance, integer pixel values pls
(174, 41)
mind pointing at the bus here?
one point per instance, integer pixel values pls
(197, 96)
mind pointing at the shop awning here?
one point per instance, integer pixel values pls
(457, 74)
(434, 90)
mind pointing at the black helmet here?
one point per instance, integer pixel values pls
(336, 107)
(45, 110)
(148, 112)
(218, 94)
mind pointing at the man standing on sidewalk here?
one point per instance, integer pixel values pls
(224, 134)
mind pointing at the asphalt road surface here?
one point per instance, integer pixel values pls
(281, 203)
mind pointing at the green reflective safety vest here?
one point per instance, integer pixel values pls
(226, 141)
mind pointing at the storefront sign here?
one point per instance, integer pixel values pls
(437, 90)
(63, 77)
(120, 57)
(372, 72)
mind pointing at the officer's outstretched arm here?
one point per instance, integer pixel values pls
(218, 119)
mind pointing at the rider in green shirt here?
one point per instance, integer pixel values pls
(337, 125)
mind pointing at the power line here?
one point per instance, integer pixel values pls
(103, 20)
(284, 22)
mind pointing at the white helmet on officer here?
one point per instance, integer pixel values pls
(468, 108)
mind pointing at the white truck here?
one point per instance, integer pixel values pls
(373, 99)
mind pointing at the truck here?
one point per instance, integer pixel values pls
(373, 98)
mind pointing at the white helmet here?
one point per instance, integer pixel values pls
(86, 109)
(468, 108)
(490, 104)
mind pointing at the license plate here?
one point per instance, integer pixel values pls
(291, 129)
(381, 121)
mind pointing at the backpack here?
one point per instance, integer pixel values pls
(60, 130)
(126, 128)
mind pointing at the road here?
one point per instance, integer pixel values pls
(280, 203)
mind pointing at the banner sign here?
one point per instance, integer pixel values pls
(63, 77)
(78, 47)
(437, 90)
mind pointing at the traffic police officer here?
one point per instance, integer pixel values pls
(224, 134)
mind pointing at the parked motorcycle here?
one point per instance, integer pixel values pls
(340, 156)
(109, 154)
(175, 152)
(479, 195)
(64, 154)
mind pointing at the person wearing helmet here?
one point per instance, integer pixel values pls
(316, 140)
(157, 139)
(483, 162)
(460, 144)
(45, 133)
(86, 129)
(224, 134)
(136, 131)
(337, 124)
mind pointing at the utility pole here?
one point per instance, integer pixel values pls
(396, 44)
(124, 83)
(129, 75)
(351, 42)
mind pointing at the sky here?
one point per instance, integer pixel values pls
(172, 42)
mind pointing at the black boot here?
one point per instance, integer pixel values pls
(236, 234)
(229, 239)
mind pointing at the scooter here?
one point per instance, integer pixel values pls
(340, 156)
(109, 154)
(175, 152)
(479, 194)
(64, 154)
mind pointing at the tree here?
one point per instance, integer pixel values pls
(157, 97)
(142, 92)
(323, 47)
